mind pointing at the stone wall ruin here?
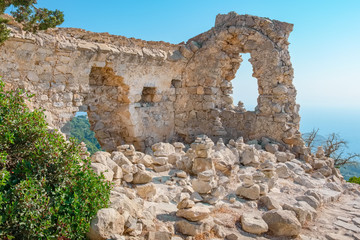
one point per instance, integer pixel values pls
(143, 92)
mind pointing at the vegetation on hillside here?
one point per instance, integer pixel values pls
(354, 180)
(46, 190)
(31, 17)
(80, 130)
(335, 147)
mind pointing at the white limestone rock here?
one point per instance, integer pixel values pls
(282, 223)
(253, 223)
(108, 221)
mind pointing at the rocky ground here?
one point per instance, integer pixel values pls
(257, 190)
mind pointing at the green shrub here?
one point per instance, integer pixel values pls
(46, 190)
(354, 180)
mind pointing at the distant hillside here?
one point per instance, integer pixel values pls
(80, 130)
(350, 171)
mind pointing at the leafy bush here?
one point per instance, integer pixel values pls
(46, 190)
(354, 180)
(80, 130)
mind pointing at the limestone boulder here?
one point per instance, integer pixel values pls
(142, 177)
(283, 171)
(251, 193)
(120, 159)
(191, 228)
(185, 203)
(185, 164)
(126, 206)
(160, 161)
(253, 223)
(312, 201)
(326, 171)
(203, 186)
(146, 191)
(281, 157)
(250, 157)
(282, 223)
(163, 149)
(108, 221)
(159, 235)
(304, 212)
(162, 168)
(147, 160)
(305, 181)
(100, 168)
(115, 168)
(269, 202)
(100, 157)
(194, 214)
(202, 164)
(295, 167)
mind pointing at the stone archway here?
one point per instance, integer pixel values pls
(210, 70)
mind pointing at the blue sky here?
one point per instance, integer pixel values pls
(324, 45)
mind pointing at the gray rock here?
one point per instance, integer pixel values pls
(312, 201)
(108, 221)
(269, 202)
(194, 214)
(252, 192)
(304, 181)
(253, 223)
(304, 212)
(282, 223)
(192, 229)
(142, 177)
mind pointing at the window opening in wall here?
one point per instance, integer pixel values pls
(79, 128)
(175, 83)
(148, 95)
(245, 87)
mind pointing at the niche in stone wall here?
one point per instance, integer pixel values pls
(245, 86)
(148, 95)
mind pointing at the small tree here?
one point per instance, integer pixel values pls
(334, 147)
(32, 18)
(46, 190)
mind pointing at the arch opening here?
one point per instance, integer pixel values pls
(79, 128)
(245, 86)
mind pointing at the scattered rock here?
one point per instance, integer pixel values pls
(194, 214)
(108, 221)
(142, 177)
(253, 223)
(282, 223)
(146, 191)
(252, 192)
(270, 203)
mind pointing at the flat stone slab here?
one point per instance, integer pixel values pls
(344, 219)
(355, 213)
(334, 236)
(347, 226)
(329, 195)
(356, 220)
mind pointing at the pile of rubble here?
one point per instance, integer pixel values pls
(217, 191)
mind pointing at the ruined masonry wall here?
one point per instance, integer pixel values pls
(144, 92)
